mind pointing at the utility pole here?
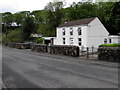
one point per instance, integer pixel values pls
(6, 33)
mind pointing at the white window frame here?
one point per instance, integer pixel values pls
(80, 41)
(71, 41)
(105, 41)
(71, 32)
(110, 40)
(63, 32)
(63, 40)
(79, 31)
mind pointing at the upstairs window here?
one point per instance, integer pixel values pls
(79, 41)
(63, 31)
(71, 31)
(79, 31)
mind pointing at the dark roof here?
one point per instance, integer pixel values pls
(77, 22)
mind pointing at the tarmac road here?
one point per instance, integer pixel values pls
(24, 69)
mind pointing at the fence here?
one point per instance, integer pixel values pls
(88, 52)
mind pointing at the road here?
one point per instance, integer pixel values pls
(25, 69)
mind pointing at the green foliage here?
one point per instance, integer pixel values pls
(18, 17)
(110, 45)
(45, 21)
(46, 30)
(7, 17)
(28, 28)
(82, 10)
(16, 36)
(39, 40)
(13, 36)
(3, 39)
(0, 17)
(113, 19)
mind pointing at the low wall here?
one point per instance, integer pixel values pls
(64, 50)
(109, 54)
(39, 47)
(53, 49)
(20, 45)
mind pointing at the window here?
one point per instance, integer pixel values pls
(110, 40)
(71, 32)
(71, 41)
(63, 40)
(105, 41)
(63, 31)
(79, 41)
(79, 30)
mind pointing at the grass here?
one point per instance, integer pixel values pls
(110, 45)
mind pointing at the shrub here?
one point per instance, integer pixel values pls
(110, 45)
(3, 39)
(39, 40)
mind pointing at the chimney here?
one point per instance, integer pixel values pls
(66, 21)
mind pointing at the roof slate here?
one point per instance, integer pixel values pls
(77, 22)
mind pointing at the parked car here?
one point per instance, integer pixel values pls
(29, 42)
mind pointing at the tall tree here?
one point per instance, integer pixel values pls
(113, 17)
(7, 18)
(28, 27)
(82, 10)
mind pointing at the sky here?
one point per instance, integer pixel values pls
(26, 5)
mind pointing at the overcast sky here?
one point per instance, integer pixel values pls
(26, 5)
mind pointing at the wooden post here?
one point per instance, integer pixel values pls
(82, 48)
(87, 52)
(92, 49)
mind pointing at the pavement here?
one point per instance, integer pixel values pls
(27, 69)
(2, 85)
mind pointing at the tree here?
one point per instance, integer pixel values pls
(51, 20)
(82, 10)
(7, 18)
(18, 17)
(113, 17)
(28, 27)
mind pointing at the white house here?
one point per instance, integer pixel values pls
(114, 39)
(86, 32)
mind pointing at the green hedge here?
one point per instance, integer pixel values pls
(39, 40)
(110, 45)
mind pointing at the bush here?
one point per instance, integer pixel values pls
(39, 40)
(16, 36)
(3, 39)
(110, 45)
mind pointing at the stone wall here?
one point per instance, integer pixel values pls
(53, 49)
(39, 47)
(64, 50)
(20, 45)
(109, 54)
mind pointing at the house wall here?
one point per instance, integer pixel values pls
(67, 36)
(96, 33)
(92, 34)
(115, 39)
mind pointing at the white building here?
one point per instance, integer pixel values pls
(86, 32)
(114, 39)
